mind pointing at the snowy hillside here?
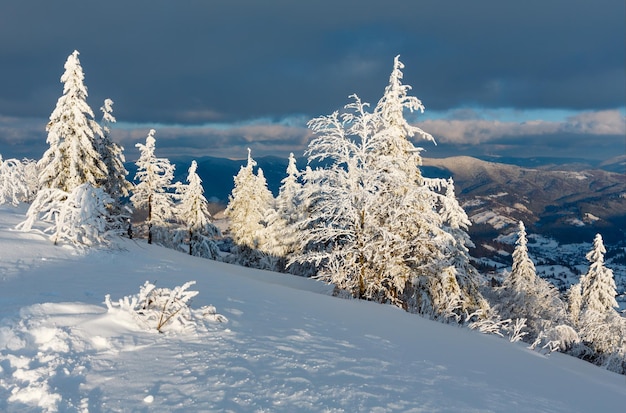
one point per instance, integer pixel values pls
(287, 345)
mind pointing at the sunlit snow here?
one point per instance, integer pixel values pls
(287, 345)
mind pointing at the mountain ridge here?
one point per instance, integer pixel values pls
(570, 204)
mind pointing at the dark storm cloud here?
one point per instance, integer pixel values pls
(197, 61)
(186, 65)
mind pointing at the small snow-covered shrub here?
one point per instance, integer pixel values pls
(158, 308)
(13, 185)
(516, 330)
(491, 322)
(558, 338)
(488, 322)
(78, 217)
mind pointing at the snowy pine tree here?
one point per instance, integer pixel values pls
(72, 171)
(598, 290)
(153, 189)
(116, 184)
(193, 212)
(456, 223)
(282, 220)
(601, 327)
(523, 274)
(342, 232)
(247, 210)
(525, 295)
(72, 158)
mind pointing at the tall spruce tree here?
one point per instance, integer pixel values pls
(598, 287)
(193, 212)
(116, 184)
(281, 229)
(524, 295)
(72, 158)
(154, 185)
(71, 171)
(247, 210)
(460, 271)
(601, 327)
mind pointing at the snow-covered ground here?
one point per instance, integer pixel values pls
(287, 346)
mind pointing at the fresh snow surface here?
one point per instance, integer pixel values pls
(287, 345)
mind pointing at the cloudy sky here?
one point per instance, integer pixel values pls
(525, 78)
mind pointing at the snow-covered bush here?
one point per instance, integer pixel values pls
(79, 217)
(160, 308)
(82, 219)
(488, 321)
(604, 333)
(168, 236)
(558, 338)
(13, 187)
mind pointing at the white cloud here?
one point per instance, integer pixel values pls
(264, 137)
(469, 130)
(27, 137)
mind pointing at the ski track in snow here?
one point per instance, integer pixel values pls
(287, 346)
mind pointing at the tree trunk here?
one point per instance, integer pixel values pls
(150, 219)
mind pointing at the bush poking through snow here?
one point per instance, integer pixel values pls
(159, 308)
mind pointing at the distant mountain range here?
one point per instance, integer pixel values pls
(566, 199)
(569, 200)
(218, 173)
(570, 205)
(616, 164)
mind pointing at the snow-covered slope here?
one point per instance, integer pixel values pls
(287, 346)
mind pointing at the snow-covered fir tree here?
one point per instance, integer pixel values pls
(598, 289)
(601, 327)
(281, 230)
(460, 271)
(152, 191)
(72, 171)
(247, 210)
(523, 273)
(193, 213)
(72, 158)
(116, 184)
(524, 295)
(373, 226)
